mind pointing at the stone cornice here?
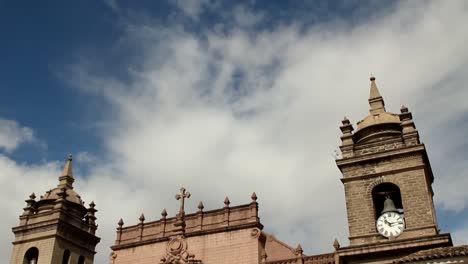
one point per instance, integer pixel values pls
(378, 155)
(50, 224)
(419, 242)
(190, 234)
(377, 174)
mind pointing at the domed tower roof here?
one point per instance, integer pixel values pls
(63, 190)
(379, 123)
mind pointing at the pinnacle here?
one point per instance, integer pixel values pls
(404, 109)
(67, 169)
(336, 244)
(164, 213)
(254, 196)
(201, 206)
(376, 101)
(299, 249)
(66, 178)
(345, 121)
(374, 91)
(142, 217)
(227, 202)
(121, 222)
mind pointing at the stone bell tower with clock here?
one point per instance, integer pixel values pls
(387, 179)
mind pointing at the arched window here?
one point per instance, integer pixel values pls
(31, 256)
(81, 260)
(383, 190)
(66, 257)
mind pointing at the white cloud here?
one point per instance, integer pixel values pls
(85, 157)
(232, 113)
(245, 17)
(12, 135)
(192, 8)
(228, 114)
(112, 4)
(460, 236)
(18, 181)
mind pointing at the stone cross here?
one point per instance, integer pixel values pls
(182, 197)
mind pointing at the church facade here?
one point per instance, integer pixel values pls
(387, 181)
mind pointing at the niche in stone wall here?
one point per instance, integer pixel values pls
(31, 256)
(379, 194)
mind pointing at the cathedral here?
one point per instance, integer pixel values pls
(387, 181)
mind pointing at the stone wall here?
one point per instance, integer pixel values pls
(231, 247)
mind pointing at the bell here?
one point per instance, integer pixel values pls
(389, 206)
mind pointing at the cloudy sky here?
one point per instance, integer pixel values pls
(223, 98)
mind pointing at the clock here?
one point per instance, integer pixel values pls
(390, 224)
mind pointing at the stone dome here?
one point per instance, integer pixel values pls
(377, 119)
(72, 196)
(66, 180)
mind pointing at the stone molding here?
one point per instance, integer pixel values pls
(199, 223)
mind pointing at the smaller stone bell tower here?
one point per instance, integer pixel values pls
(57, 228)
(387, 179)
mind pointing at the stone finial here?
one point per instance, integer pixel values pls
(200, 206)
(345, 121)
(410, 134)
(142, 218)
(67, 169)
(406, 118)
(164, 213)
(91, 208)
(91, 218)
(376, 101)
(254, 197)
(66, 177)
(226, 202)
(374, 91)
(347, 137)
(120, 223)
(404, 109)
(30, 203)
(336, 244)
(346, 124)
(299, 250)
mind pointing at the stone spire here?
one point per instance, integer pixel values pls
(336, 244)
(66, 178)
(376, 101)
(299, 250)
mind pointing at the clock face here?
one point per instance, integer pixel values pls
(390, 224)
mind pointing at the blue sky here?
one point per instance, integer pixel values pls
(42, 39)
(151, 95)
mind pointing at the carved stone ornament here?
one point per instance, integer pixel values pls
(255, 233)
(112, 257)
(176, 252)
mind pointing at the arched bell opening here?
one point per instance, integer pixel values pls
(386, 197)
(31, 256)
(81, 260)
(66, 257)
